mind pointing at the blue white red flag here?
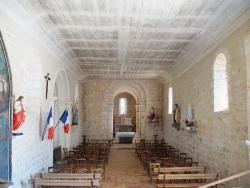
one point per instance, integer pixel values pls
(66, 125)
(63, 117)
(50, 124)
(65, 120)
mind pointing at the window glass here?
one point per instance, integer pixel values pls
(122, 106)
(220, 84)
(170, 100)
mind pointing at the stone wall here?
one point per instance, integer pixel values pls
(221, 136)
(30, 61)
(99, 96)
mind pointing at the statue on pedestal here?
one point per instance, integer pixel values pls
(176, 114)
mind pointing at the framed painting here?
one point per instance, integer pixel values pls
(5, 114)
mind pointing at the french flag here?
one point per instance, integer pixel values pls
(65, 120)
(50, 123)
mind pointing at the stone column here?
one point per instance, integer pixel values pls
(143, 115)
(110, 120)
(137, 124)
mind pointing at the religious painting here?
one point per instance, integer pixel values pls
(5, 114)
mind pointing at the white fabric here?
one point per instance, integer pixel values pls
(125, 134)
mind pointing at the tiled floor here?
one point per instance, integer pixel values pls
(124, 170)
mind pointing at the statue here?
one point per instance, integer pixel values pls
(19, 114)
(75, 114)
(176, 114)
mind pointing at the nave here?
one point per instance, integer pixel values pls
(125, 171)
(104, 164)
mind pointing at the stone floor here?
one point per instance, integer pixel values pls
(124, 169)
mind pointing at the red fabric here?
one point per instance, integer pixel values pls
(66, 128)
(18, 119)
(50, 133)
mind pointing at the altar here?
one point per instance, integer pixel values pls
(123, 124)
(125, 137)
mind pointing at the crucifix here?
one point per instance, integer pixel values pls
(47, 84)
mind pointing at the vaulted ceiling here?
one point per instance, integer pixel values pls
(135, 38)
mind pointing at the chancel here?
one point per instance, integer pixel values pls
(149, 86)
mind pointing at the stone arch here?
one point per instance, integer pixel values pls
(134, 89)
(131, 87)
(61, 91)
(61, 81)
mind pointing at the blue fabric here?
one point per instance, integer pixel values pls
(63, 118)
(49, 116)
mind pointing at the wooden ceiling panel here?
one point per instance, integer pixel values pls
(145, 37)
(85, 61)
(95, 53)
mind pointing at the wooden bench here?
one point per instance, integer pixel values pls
(184, 180)
(68, 179)
(93, 176)
(167, 170)
(64, 183)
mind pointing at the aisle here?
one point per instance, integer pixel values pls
(125, 171)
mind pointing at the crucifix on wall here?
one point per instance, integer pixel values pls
(47, 78)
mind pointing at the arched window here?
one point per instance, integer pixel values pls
(220, 83)
(170, 100)
(122, 106)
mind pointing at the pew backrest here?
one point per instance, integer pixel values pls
(186, 180)
(69, 176)
(66, 183)
(182, 170)
(188, 176)
(193, 169)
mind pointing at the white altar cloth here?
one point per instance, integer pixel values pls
(125, 134)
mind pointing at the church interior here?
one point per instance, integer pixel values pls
(129, 87)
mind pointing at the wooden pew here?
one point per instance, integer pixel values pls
(184, 180)
(64, 183)
(68, 179)
(168, 170)
(93, 176)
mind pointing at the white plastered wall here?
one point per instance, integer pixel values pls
(30, 62)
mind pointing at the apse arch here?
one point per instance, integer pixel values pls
(135, 90)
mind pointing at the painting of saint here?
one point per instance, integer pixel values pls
(5, 110)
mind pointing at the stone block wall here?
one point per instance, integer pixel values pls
(99, 95)
(220, 139)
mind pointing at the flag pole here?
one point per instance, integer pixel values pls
(44, 130)
(60, 118)
(57, 124)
